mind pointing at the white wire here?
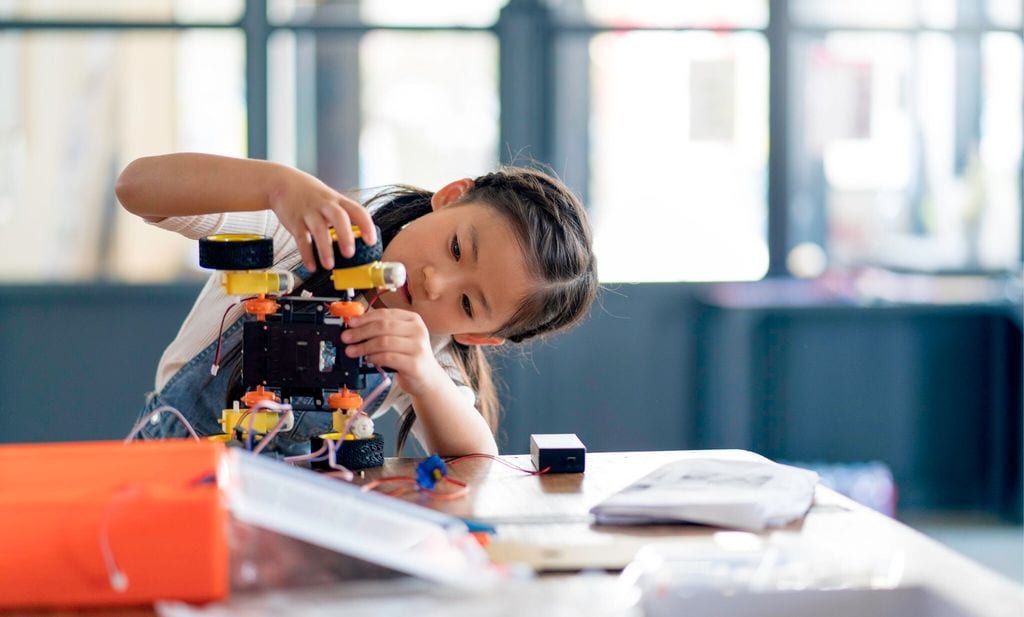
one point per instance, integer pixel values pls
(274, 431)
(307, 457)
(265, 404)
(385, 382)
(343, 471)
(117, 577)
(153, 416)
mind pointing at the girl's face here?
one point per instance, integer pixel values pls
(465, 270)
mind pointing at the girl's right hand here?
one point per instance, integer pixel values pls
(308, 208)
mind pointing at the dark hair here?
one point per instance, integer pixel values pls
(550, 223)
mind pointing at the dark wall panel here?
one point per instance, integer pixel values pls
(77, 360)
(622, 381)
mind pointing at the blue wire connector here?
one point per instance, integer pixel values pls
(430, 471)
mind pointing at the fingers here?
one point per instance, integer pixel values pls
(319, 226)
(398, 340)
(399, 345)
(308, 208)
(305, 246)
(386, 331)
(340, 216)
(400, 363)
(321, 234)
(360, 218)
(381, 323)
(343, 230)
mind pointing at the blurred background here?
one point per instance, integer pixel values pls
(807, 212)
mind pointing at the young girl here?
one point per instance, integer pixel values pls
(506, 256)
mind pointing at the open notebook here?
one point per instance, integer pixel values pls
(751, 495)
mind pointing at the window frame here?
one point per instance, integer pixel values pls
(534, 41)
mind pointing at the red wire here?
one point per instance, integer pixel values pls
(462, 492)
(500, 460)
(220, 333)
(369, 486)
(456, 494)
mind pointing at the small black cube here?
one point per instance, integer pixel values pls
(561, 453)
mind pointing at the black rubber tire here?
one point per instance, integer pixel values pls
(353, 453)
(364, 254)
(220, 253)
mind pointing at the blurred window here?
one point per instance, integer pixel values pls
(179, 11)
(430, 108)
(386, 12)
(900, 120)
(650, 13)
(906, 146)
(75, 107)
(424, 106)
(1005, 13)
(874, 13)
(678, 159)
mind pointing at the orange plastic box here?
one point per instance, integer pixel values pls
(106, 523)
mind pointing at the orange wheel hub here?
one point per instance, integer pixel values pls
(346, 399)
(347, 310)
(261, 307)
(259, 394)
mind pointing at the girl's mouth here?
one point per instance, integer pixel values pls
(405, 292)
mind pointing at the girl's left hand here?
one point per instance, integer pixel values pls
(398, 340)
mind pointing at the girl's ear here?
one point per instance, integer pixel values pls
(477, 339)
(450, 193)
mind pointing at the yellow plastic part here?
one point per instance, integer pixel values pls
(262, 423)
(366, 276)
(331, 436)
(254, 282)
(355, 233)
(224, 438)
(338, 421)
(234, 237)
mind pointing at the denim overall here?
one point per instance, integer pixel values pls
(201, 397)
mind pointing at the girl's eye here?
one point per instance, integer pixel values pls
(467, 307)
(456, 249)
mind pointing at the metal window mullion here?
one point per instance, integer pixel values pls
(337, 101)
(257, 34)
(570, 134)
(525, 89)
(778, 147)
(967, 91)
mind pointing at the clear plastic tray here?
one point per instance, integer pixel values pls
(738, 573)
(338, 516)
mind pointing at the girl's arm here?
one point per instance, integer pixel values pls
(182, 184)
(399, 340)
(449, 423)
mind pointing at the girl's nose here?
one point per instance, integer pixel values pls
(433, 282)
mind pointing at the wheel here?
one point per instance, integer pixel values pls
(236, 252)
(353, 453)
(364, 254)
